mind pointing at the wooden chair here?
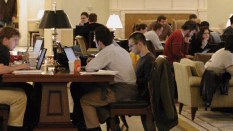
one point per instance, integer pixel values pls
(132, 108)
(83, 46)
(4, 113)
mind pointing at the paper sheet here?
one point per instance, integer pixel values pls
(100, 72)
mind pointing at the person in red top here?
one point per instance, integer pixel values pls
(177, 45)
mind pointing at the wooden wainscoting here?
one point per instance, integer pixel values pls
(132, 18)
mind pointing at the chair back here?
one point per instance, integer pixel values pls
(203, 57)
(197, 67)
(182, 75)
(215, 37)
(151, 47)
(177, 24)
(82, 44)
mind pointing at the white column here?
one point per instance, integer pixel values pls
(23, 24)
(47, 32)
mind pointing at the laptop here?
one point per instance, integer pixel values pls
(34, 70)
(38, 46)
(70, 54)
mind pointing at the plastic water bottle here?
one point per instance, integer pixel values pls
(77, 64)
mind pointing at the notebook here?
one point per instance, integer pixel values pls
(70, 54)
(38, 65)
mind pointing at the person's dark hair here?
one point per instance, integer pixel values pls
(192, 16)
(138, 37)
(8, 32)
(157, 26)
(85, 13)
(92, 17)
(189, 25)
(140, 27)
(201, 32)
(204, 24)
(161, 17)
(103, 34)
(229, 43)
(231, 19)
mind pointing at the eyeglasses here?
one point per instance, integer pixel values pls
(131, 45)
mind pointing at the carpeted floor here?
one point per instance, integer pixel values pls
(210, 120)
(204, 121)
(135, 125)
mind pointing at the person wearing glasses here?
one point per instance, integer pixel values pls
(84, 19)
(137, 44)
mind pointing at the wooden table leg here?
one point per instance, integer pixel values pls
(54, 106)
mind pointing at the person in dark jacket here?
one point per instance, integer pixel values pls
(84, 19)
(201, 42)
(8, 12)
(87, 30)
(138, 45)
(229, 30)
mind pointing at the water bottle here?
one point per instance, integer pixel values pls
(77, 64)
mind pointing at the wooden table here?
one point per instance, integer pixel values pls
(54, 104)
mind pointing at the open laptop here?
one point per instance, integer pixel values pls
(70, 54)
(34, 70)
(38, 46)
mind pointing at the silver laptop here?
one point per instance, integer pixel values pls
(70, 54)
(38, 46)
(34, 70)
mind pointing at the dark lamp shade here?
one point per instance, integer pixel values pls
(54, 19)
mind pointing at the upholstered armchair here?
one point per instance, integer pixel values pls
(188, 75)
(177, 24)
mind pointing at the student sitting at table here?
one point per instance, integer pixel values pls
(17, 101)
(9, 39)
(123, 88)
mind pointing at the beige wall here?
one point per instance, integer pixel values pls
(122, 7)
(218, 13)
(73, 9)
(33, 7)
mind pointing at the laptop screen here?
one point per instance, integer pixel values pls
(41, 58)
(38, 46)
(70, 54)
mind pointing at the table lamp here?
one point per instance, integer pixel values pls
(54, 19)
(114, 22)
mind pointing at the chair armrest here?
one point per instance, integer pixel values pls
(195, 81)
